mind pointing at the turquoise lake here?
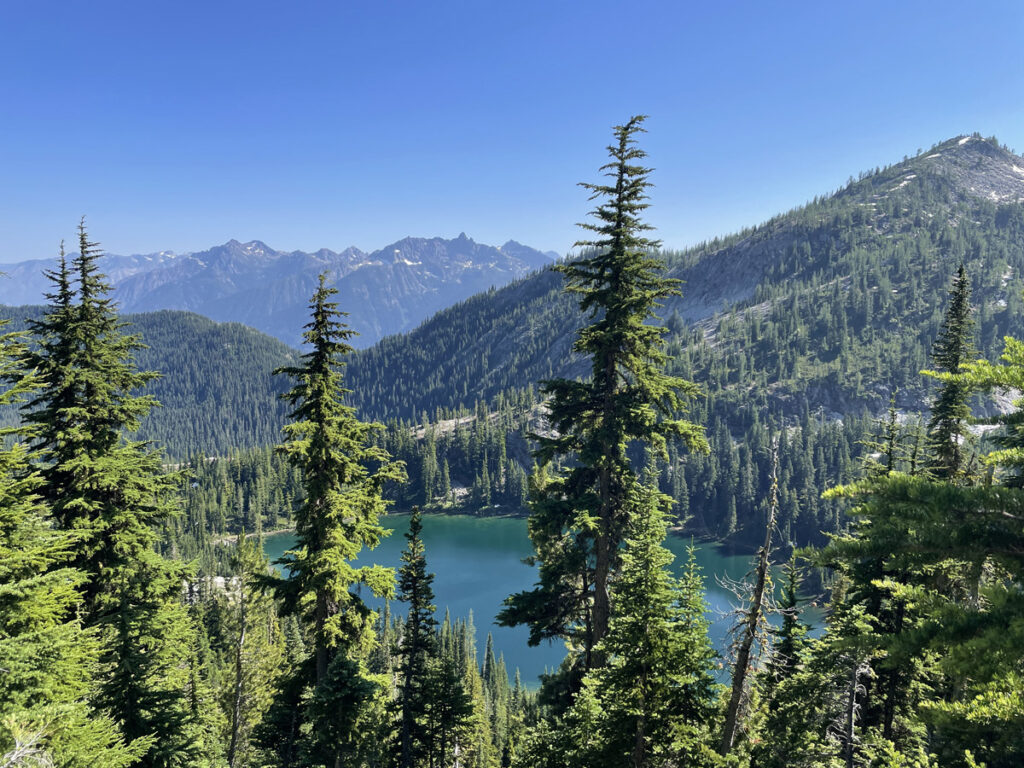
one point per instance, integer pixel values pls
(477, 562)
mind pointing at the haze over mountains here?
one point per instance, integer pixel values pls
(385, 292)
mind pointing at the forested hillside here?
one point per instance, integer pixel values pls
(215, 389)
(835, 303)
(816, 319)
(140, 627)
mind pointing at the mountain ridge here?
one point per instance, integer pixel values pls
(386, 291)
(961, 199)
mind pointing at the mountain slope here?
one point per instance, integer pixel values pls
(832, 305)
(385, 292)
(216, 390)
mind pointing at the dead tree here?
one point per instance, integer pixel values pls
(752, 617)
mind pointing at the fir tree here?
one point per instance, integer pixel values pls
(654, 702)
(418, 649)
(112, 492)
(951, 410)
(579, 519)
(343, 474)
(49, 664)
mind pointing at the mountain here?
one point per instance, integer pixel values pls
(385, 292)
(813, 319)
(23, 283)
(830, 306)
(216, 391)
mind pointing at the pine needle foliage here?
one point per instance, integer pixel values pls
(49, 664)
(951, 410)
(111, 493)
(580, 517)
(654, 702)
(343, 477)
(417, 651)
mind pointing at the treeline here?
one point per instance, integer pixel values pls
(479, 463)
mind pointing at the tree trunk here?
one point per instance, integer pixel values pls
(602, 568)
(236, 709)
(639, 742)
(851, 715)
(742, 668)
(411, 631)
(321, 642)
(603, 544)
(894, 682)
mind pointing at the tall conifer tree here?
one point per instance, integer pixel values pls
(111, 492)
(343, 476)
(579, 518)
(947, 427)
(49, 664)
(418, 649)
(654, 701)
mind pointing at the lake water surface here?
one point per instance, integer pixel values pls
(477, 562)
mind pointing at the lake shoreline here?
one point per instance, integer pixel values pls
(725, 548)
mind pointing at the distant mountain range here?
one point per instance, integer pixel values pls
(389, 291)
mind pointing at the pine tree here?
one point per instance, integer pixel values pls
(49, 664)
(579, 519)
(343, 474)
(452, 714)
(418, 650)
(111, 492)
(788, 640)
(95, 482)
(951, 410)
(654, 702)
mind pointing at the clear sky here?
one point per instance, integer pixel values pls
(180, 125)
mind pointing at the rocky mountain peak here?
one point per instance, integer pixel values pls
(978, 167)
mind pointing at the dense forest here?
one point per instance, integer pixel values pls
(141, 626)
(214, 389)
(480, 464)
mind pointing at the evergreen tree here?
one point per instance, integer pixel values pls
(418, 649)
(789, 639)
(654, 702)
(112, 492)
(49, 664)
(579, 519)
(343, 474)
(951, 410)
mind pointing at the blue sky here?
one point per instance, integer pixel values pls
(181, 125)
